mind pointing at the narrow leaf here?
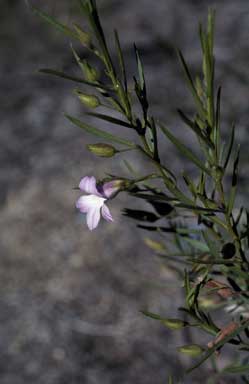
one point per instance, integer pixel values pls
(213, 261)
(217, 124)
(236, 369)
(140, 215)
(191, 85)
(187, 283)
(51, 20)
(110, 119)
(197, 244)
(90, 9)
(157, 229)
(156, 198)
(72, 78)
(234, 184)
(98, 132)
(197, 208)
(195, 128)
(189, 184)
(230, 147)
(78, 60)
(210, 29)
(155, 141)
(214, 250)
(121, 59)
(140, 69)
(184, 150)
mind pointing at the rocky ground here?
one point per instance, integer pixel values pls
(70, 299)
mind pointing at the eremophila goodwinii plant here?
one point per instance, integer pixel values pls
(209, 244)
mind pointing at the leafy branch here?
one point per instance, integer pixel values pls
(217, 244)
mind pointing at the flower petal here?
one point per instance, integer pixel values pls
(106, 213)
(86, 203)
(82, 204)
(92, 218)
(88, 185)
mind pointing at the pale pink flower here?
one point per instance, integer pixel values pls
(93, 204)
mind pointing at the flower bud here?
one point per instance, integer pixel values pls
(111, 188)
(102, 150)
(174, 324)
(83, 36)
(191, 350)
(91, 74)
(89, 101)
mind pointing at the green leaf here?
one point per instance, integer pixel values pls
(140, 86)
(239, 216)
(201, 184)
(51, 20)
(202, 37)
(184, 150)
(189, 184)
(238, 272)
(98, 132)
(229, 147)
(197, 244)
(210, 29)
(187, 283)
(121, 59)
(217, 125)
(110, 119)
(206, 39)
(214, 261)
(140, 215)
(155, 141)
(78, 60)
(197, 208)
(150, 198)
(72, 78)
(234, 183)
(212, 245)
(152, 228)
(90, 9)
(220, 344)
(192, 86)
(140, 69)
(195, 128)
(233, 368)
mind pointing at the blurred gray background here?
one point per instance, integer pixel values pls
(70, 299)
